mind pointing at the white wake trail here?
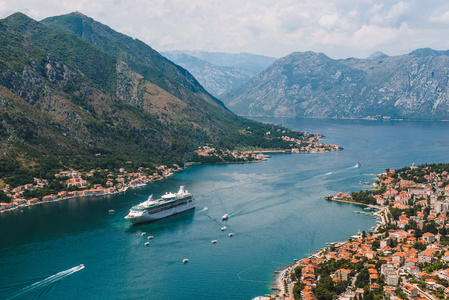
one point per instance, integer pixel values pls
(49, 280)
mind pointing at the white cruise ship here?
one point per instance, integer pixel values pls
(168, 205)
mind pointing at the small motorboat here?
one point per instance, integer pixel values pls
(225, 217)
(147, 243)
(214, 241)
(143, 233)
(150, 237)
(357, 165)
(111, 211)
(231, 234)
(185, 260)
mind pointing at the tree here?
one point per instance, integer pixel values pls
(322, 293)
(362, 278)
(3, 197)
(375, 244)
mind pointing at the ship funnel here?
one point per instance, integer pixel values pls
(181, 190)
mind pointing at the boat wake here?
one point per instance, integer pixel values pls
(357, 165)
(48, 281)
(235, 214)
(250, 274)
(328, 173)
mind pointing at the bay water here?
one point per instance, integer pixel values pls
(276, 208)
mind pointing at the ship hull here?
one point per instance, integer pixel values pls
(151, 217)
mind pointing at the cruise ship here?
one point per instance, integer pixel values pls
(168, 205)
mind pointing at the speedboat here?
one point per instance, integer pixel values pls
(225, 217)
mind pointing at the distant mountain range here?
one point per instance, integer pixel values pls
(308, 84)
(75, 93)
(219, 72)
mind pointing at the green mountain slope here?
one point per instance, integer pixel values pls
(67, 103)
(139, 56)
(413, 86)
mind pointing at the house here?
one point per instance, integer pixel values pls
(342, 196)
(77, 181)
(370, 254)
(398, 256)
(49, 198)
(428, 237)
(410, 290)
(414, 270)
(417, 190)
(391, 278)
(20, 201)
(385, 243)
(426, 256)
(430, 283)
(33, 201)
(343, 274)
(63, 194)
(5, 206)
(446, 256)
(374, 286)
(411, 261)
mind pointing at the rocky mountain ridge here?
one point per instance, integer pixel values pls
(219, 72)
(412, 86)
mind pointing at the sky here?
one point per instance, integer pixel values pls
(337, 28)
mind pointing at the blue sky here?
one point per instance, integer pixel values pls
(338, 28)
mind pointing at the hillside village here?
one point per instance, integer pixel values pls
(81, 184)
(405, 257)
(101, 182)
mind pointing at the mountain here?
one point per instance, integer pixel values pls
(250, 62)
(215, 79)
(76, 94)
(308, 84)
(376, 55)
(219, 72)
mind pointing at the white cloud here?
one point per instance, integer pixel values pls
(440, 18)
(341, 28)
(372, 36)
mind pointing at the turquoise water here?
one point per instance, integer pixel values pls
(276, 214)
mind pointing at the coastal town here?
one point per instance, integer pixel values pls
(101, 182)
(405, 257)
(308, 143)
(79, 184)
